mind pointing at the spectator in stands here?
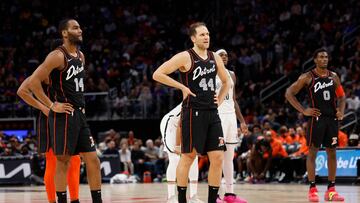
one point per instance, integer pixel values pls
(15, 145)
(297, 161)
(138, 159)
(29, 143)
(268, 127)
(131, 138)
(303, 149)
(291, 141)
(276, 47)
(111, 148)
(244, 150)
(9, 152)
(25, 150)
(278, 154)
(103, 86)
(101, 148)
(125, 158)
(152, 156)
(142, 148)
(353, 102)
(259, 160)
(145, 98)
(343, 139)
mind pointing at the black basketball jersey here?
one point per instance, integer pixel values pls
(322, 94)
(200, 79)
(68, 84)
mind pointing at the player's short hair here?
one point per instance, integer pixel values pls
(317, 51)
(192, 28)
(63, 25)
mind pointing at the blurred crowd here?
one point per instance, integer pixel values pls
(124, 41)
(263, 155)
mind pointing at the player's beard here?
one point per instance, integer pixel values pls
(323, 67)
(75, 40)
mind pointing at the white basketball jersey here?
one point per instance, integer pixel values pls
(168, 126)
(228, 104)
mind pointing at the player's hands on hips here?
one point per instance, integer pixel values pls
(59, 107)
(186, 92)
(45, 111)
(314, 112)
(244, 128)
(339, 114)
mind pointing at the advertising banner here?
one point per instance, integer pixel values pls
(346, 162)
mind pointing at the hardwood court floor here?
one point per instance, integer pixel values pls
(157, 192)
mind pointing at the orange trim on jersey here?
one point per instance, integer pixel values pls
(39, 130)
(181, 125)
(190, 130)
(311, 128)
(54, 131)
(187, 85)
(47, 120)
(65, 131)
(47, 134)
(339, 91)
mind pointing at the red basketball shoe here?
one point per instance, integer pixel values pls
(313, 195)
(332, 195)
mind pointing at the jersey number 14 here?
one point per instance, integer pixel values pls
(79, 84)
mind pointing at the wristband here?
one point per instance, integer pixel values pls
(52, 105)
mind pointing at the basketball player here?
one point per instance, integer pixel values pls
(229, 110)
(200, 122)
(170, 131)
(324, 89)
(67, 122)
(73, 174)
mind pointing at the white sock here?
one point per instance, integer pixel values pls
(193, 188)
(171, 189)
(228, 168)
(193, 177)
(171, 173)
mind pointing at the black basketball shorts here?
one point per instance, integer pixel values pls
(70, 133)
(322, 131)
(42, 130)
(201, 129)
